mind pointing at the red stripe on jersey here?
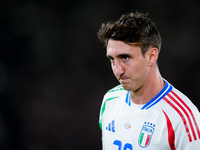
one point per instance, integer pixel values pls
(182, 117)
(195, 123)
(171, 137)
(188, 117)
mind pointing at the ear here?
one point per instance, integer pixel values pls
(152, 55)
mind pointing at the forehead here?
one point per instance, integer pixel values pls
(116, 47)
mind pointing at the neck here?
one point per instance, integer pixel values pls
(152, 86)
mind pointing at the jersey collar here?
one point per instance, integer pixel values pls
(167, 88)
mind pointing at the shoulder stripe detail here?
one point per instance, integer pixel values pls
(171, 136)
(100, 124)
(117, 88)
(190, 112)
(104, 105)
(158, 97)
(182, 117)
(182, 109)
(103, 109)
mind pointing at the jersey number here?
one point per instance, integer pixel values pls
(127, 146)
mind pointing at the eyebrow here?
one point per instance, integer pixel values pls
(108, 56)
(120, 55)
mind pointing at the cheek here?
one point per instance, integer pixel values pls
(144, 70)
(113, 69)
(139, 69)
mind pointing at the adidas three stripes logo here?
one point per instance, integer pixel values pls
(111, 126)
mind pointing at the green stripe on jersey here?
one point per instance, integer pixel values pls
(100, 124)
(103, 109)
(117, 88)
(104, 105)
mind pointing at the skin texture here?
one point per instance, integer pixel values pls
(137, 73)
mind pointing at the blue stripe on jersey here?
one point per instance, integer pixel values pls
(167, 88)
(128, 99)
(158, 97)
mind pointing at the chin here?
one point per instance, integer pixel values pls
(127, 88)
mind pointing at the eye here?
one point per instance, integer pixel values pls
(110, 58)
(125, 58)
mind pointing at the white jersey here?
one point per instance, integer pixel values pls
(170, 121)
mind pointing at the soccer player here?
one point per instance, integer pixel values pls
(144, 112)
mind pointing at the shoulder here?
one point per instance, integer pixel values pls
(179, 103)
(180, 100)
(113, 97)
(183, 115)
(116, 89)
(114, 93)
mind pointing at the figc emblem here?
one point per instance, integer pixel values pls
(146, 134)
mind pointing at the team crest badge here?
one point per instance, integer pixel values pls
(146, 134)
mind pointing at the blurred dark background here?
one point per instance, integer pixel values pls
(54, 73)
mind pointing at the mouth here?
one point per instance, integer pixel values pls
(124, 80)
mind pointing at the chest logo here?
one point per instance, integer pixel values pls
(111, 126)
(146, 134)
(127, 126)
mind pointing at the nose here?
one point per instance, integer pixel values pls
(118, 68)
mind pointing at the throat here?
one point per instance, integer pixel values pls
(143, 96)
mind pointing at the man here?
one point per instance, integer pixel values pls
(144, 112)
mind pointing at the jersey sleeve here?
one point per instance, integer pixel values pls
(187, 135)
(106, 98)
(110, 95)
(101, 114)
(184, 118)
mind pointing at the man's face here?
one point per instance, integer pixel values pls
(128, 64)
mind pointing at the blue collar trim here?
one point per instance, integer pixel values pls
(167, 88)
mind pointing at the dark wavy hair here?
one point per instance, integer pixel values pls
(131, 28)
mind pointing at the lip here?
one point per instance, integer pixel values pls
(123, 81)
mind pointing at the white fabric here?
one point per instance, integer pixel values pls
(127, 126)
